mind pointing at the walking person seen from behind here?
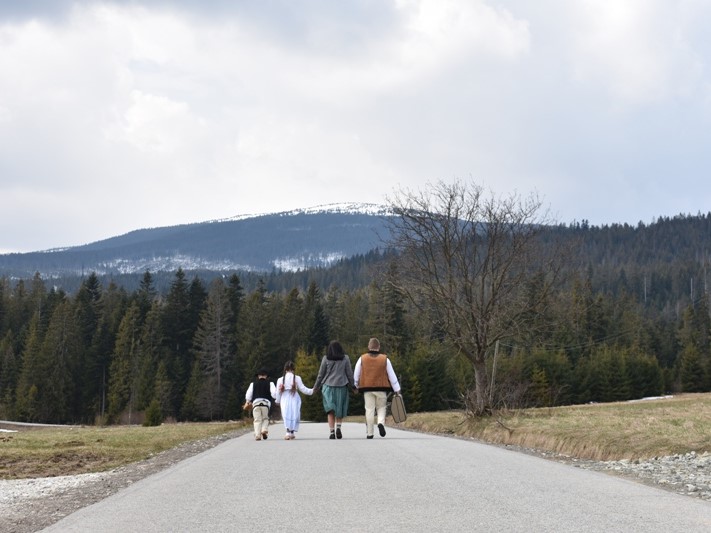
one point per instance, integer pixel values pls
(287, 396)
(374, 377)
(335, 375)
(260, 394)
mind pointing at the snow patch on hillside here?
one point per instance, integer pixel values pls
(166, 264)
(352, 208)
(186, 262)
(294, 264)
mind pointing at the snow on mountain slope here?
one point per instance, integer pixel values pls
(353, 208)
(291, 240)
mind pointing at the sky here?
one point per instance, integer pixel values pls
(121, 115)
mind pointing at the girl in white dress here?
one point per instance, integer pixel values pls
(287, 396)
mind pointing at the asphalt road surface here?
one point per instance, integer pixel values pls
(404, 482)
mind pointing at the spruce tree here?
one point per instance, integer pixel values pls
(177, 336)
(692, 372)
(396, 331)
(646, 377)
(149, 356)
(59, 365)
(9, 372)
(94, 376)
(414, 396)
(147, 293)
(123, 380)
(235, 295)
(154, 414)
(233, 405)
(190, 406)
(212, 345)
(317, 324)
(252, 331)
(164, 390)
(30, 375)
(540, 390)
(291, 323)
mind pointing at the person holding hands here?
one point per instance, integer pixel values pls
(335, 376)
(287, 396)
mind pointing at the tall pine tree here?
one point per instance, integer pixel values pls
(213, 348)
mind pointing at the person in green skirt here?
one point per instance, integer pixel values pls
(335, 376)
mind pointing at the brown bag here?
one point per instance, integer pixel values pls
(397, 409)
(247, 406)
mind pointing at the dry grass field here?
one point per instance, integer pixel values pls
(55, 451)
(630, 430)
(613, 431)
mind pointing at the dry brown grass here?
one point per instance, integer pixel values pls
(57, 451)
(630, 430)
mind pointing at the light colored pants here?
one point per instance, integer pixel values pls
(261, 419)
(374, 401)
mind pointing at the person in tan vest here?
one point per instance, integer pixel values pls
(374, 377)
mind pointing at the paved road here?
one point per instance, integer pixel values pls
(404, 482)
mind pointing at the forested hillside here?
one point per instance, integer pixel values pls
(284, 241)
(630, 320)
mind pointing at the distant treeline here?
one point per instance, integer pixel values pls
(632, 320)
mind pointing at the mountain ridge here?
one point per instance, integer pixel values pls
(287, 240)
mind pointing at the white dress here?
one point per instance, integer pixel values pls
(290, 400)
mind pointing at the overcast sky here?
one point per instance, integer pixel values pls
(122, 115)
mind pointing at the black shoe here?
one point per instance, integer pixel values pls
(265, 435)
(381, 428)
(369, 436)
(333, 436)
(339, 435)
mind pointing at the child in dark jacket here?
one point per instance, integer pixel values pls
(261, 393)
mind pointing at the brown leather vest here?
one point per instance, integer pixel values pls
(373, 372)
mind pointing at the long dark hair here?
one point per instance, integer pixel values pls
(335, 351)
(289, 366)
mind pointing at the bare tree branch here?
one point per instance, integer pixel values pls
(475, 261)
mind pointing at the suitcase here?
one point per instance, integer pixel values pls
(397, 409)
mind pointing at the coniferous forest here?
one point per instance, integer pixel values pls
(631, 320)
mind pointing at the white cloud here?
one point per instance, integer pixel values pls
(431, 39)
(636, 49)
(157, 124)
(440, 30)
(178, 111)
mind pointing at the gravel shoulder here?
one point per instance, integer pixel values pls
(30, 505)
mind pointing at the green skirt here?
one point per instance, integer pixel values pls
(335, 399)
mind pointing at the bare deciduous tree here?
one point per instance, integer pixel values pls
(472, 260)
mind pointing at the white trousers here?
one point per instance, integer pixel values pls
(375, 401)
(261, 419)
